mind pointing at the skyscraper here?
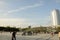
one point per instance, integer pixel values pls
(56, 17)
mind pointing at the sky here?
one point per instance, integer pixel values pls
(23, 13)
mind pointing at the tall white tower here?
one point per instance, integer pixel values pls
(55, 17)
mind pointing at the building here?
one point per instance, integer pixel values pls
(56, 17)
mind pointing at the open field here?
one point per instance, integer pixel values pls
(7, 36)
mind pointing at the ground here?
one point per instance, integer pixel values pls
(7, 36)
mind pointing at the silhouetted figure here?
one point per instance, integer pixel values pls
(14, 36)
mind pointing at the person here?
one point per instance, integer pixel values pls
(14, 35)
(59, 35)
(24, 33)
(52, 34)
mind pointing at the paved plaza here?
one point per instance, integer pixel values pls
(7, 36)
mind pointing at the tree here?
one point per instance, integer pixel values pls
(58, 29)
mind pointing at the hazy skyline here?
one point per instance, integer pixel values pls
(26, 12)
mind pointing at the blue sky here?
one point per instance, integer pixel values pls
(22, 13)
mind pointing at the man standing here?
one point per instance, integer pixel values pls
(14, 35)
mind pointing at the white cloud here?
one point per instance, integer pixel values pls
(11, 21)
(20, 22)
(1, 2)
(20, 9)
(57, 1)
(4, 12)
(24, 8)
(15, 21)
(40, 3)
(3, 5)
(3, 8)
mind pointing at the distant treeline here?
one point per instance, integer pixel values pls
(35, 29)
(40, 29)
(9, 29)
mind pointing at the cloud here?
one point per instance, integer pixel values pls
(18, 22)
(5, 12)
(22, 22)
(11, 21)
(3, 5)
(3, 8)
(24, 8)
(57, 1)
(2, 2)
